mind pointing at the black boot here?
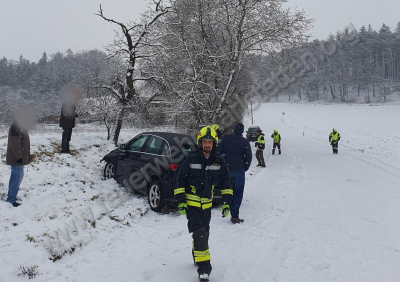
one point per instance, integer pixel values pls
(280, 152)
(273, 151)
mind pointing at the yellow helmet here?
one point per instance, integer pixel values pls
(215, 127)
(207, 133)
(275, 131)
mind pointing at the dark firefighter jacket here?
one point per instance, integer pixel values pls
(260, 142)
(196, 177)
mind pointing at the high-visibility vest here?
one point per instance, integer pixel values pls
(259, 140)
(334, 136)
(276, 138)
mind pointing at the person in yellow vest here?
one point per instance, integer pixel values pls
(277, 141)
(334, 138)
(218, 131)
(260, 144)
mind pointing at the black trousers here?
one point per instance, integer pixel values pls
(66, 137)
(335, 147)
(276, 145)
(260, 157)
(199, 225)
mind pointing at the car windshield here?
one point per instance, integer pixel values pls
(253, 129)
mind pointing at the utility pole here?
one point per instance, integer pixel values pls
(251, 110)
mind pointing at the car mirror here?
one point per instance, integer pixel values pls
(122, 146)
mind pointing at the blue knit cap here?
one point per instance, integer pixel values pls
(239, 128)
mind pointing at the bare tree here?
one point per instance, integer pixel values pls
(206, 43)
(128, 49)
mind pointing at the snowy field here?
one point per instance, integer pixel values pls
(309, 215)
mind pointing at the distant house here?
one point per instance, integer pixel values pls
(159, 102)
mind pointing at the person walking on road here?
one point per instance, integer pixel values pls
(277, 141)
(334, 138)
(236, 151)
(18, 149)
(260, 144)
(195, 180)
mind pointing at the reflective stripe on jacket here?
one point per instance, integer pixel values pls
(196, 177)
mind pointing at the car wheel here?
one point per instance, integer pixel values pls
(155, 196)
(109, 171)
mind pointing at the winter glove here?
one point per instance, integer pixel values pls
(225, 210)
(182, 208)
(255, 145)
(19, 161)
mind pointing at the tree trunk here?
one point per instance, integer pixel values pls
(118, 125)
(332, 92)
(299, 93)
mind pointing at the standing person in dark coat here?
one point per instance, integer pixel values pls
(18, 149)
(260, 144)
(67, 117)
(237, 153)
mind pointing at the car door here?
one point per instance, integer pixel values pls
(130, 157)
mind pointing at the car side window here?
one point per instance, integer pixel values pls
(153, 145)
(136, 144)
(165, 149)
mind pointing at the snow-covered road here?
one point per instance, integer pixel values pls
(309, 216)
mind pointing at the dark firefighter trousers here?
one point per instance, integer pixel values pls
(335, 145)
(274, 146)
(199, 225)
(260, 157)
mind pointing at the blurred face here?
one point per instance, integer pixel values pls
(207, 146)
(25, 117)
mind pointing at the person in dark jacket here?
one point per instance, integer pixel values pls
(236, 151)
(67, 117)
(18, 149)
(277, 141)
(194, 183)
(334, 138)
(260, 144)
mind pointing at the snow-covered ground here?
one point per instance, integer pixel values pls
(309, 215)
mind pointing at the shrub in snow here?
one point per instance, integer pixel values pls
(30, 271)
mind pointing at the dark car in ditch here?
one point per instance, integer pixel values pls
(147, 164)
(251, 133)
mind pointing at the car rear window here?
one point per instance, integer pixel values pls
(252, 130)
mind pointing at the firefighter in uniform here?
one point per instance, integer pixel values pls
(334, 138)
(260, 144)
(194, 182)
(218, 131)
(277, 141)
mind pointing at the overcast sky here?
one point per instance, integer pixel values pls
(30, 27)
